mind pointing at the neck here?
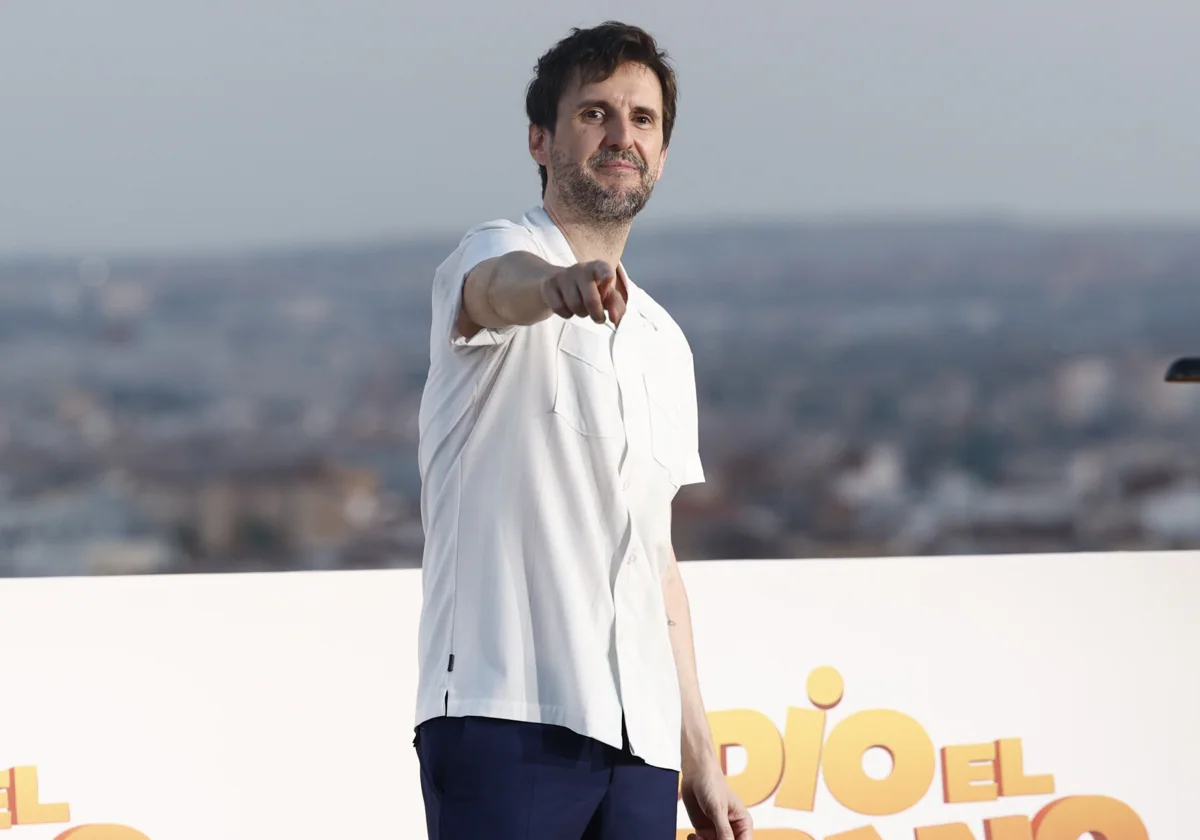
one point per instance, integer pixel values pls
(589, 240)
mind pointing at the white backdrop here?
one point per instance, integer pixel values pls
(280, 706)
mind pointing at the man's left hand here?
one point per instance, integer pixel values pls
(714, 809)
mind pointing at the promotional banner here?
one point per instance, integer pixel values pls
(968, 698)
(1006, 698)
(246, 707)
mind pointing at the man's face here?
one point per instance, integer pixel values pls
(607, 150)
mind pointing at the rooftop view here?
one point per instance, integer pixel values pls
(865, 389)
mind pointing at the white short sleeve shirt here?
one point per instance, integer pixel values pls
(549, 456)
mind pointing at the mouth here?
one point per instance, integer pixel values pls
(617, 167)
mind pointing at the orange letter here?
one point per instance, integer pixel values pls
(23, 801)
(101, 832)
(964, 765)
(757, 735)
(1008, 828)
(1010, 772)
(913, 762)
(1075, 816)
(759, 834)
(867, 833)
(950, 831)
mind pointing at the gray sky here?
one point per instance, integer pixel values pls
(154, 125)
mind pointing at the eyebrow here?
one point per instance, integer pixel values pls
(608, 106)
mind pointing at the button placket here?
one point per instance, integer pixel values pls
(629, 579)
(622, 364)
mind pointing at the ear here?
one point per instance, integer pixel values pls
(539, 142)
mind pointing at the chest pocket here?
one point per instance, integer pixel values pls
(586, 395)
(672, 441)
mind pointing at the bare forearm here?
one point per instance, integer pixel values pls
(696, 735)
(507, 290)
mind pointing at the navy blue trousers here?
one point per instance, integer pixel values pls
(488, 779)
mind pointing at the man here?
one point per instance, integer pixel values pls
(558, 697)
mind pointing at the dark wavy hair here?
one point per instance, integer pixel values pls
(590, 56)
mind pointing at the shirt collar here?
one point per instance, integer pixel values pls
(560, 248)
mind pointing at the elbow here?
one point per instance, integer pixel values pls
(672, 581)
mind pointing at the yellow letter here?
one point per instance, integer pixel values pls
(1075, 816)
(5, 786)
(964, 765)
(825, 687)
(913, 762)
(1010, 772)
(1008, 828)
(950, 831)
(802, 763)
(802, 739)
(101, 832)
(23, 802)
(757, 735)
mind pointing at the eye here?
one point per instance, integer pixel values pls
(593, 114)
(644, 120)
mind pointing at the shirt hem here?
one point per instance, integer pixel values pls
(609, 734)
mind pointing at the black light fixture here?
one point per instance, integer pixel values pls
(1184, 370)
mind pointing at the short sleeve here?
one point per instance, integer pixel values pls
(693, 473)
(494, 239)
(693, 469)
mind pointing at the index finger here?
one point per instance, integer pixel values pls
(594, 301)
(614, 302)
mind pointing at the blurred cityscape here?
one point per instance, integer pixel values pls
(865, 389)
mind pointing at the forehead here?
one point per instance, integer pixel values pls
(634, 85)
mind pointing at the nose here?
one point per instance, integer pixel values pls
(619, 134)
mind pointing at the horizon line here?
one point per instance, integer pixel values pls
(679, 225)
